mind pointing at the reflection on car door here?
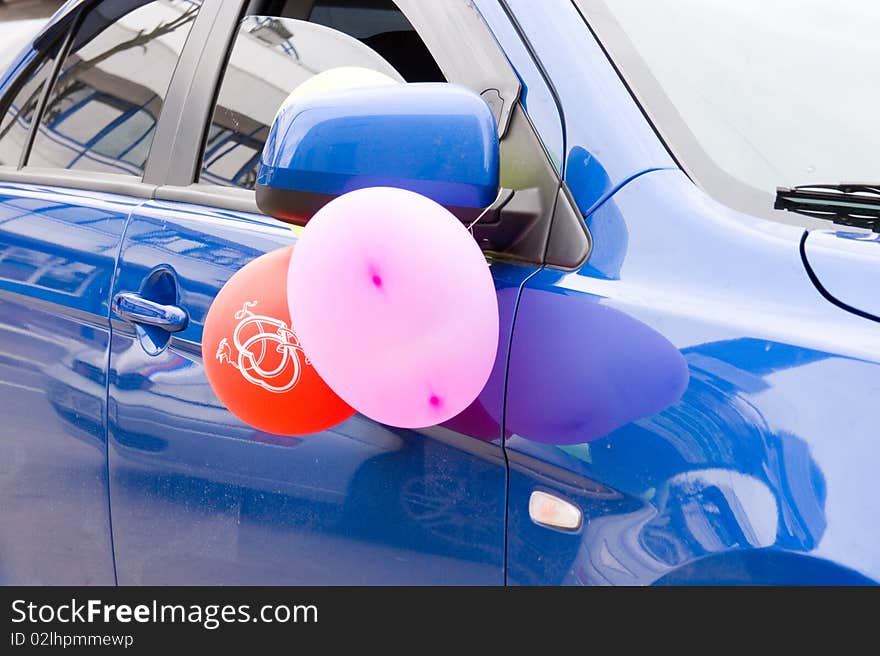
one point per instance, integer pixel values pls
(58, 251)
(57, 256)
(198, 497)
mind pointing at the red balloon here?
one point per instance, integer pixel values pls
(254, 361)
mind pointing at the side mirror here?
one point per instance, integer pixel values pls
(439, 140)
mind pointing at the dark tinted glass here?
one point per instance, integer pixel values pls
(278, 48)
(102, 110)
(19, 113)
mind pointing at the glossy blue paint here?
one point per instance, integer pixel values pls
(754, 455)
(844, 264)
(198, 497)
(438, 140)
(536, 95)
(607, 140)
(57, 259)
(700, 398)
(751, 474)
(621, 372)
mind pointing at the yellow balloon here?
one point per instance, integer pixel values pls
(338, 79)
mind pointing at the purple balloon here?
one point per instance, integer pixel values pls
(482, 418)
(580, 370)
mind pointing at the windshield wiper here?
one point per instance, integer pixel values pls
(849, 204)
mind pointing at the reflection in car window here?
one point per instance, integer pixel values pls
(272, 55)
(102, 110)
(16, 122)
(776, 93)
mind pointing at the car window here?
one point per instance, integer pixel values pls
(276, 50)
(19, 113)
(753, 93)
(102, 110)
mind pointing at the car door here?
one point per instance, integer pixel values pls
(200, 498)
(70, 167)
(686, 397)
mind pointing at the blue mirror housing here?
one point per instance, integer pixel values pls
(439, 140)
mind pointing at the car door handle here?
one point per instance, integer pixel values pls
(137, 309)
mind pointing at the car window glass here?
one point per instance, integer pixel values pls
(102, 109)
(778, 93)
(16, 122)
(276, 49)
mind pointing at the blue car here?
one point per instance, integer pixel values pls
(682, 236)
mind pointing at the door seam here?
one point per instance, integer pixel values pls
(504, 419)
(113, 280)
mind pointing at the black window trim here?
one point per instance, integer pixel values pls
(61, 39)
(60, 56)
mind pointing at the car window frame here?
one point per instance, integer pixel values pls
(175, 154)
(177, 176)
(30, 65)
(64, 27)
(564, 242)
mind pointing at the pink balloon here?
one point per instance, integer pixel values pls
(394, 306)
